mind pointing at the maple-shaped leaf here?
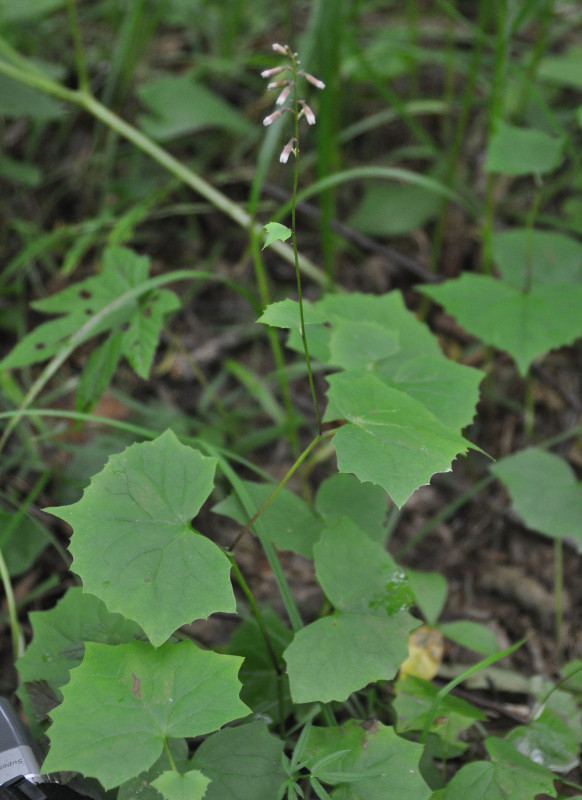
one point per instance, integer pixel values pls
(123, 703)
(134, 546)
(110, 301)
(391, 439)
(404, 402)
(525, 324)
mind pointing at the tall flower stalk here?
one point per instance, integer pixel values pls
(298, 108)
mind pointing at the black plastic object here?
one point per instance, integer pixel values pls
(20, 776)
(24, 789)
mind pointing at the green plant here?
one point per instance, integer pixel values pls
(283, 709)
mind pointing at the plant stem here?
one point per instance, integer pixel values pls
(16, 633)
(265, 634)
(278, 488)
(274, 342)
(256, 611)
(295, 251)
(169, 754)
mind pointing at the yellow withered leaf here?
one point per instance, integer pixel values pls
(426, 648)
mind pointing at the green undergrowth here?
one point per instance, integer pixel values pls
(292, 705)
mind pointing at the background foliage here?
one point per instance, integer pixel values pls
(436, 208)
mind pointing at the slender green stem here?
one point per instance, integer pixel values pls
(16, 633)
(274, 342)
(169, 754)
(278, 488)
(295, 251)
(256, 611)
(268, 549)
(80, 58)
(265, 634)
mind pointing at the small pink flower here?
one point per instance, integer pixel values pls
(272, 117)
(284, 95)
(268, 73)
(277, 84)
(287, 150)
(309, 115)
(280, 49)
(312, 79)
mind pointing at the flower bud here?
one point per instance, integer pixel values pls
(268, 73)
(287, 150)
(280, 49)
(312, 79)
(309, 115)
(283, 96)
(272, 117)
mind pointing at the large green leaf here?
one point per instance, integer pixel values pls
(399, 394)
(140, 319)
(343, 653)
(367, 638)
(357, 574)
(526, 325)
(244, 763)
(178, 106)
(287, 521)
(124, 702)
(134, 546)
(59, 636)
(392, 440)
(434, 382)
(544, 491)
(509, 774)
(387, 763)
